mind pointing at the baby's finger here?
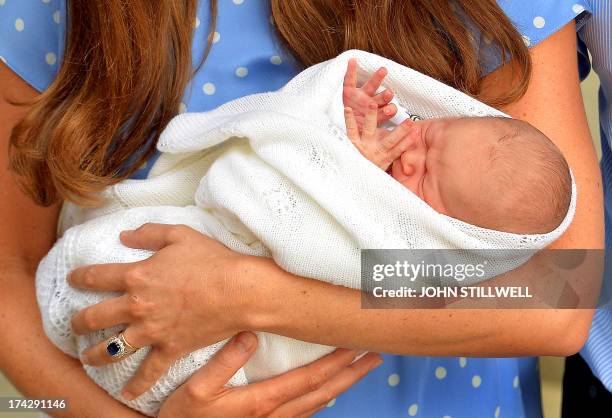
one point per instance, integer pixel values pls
(396, 135)
(387, 112)
(374, 82)
(350, 78)
(384, 97)
(352, 129)
(150, 370)
(370, 122)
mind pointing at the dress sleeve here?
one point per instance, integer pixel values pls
(32, 38)
(535, 20)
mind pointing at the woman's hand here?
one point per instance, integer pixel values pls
(298, 393)
(185, 297)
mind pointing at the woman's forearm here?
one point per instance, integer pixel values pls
(319, 312)
(34, 365)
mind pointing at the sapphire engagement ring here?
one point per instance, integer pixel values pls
(118, 347)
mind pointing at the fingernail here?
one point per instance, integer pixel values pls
(387, 110)
(127, 395)
(376, 363)
(245, 341)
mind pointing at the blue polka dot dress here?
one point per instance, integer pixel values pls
(246, 58)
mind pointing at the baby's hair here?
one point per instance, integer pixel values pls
(535, 178)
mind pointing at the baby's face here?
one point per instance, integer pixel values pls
(445, 164)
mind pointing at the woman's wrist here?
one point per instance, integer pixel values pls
(264, 288)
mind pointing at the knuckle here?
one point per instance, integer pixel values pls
(194, 392)
(260, 406)
(88, 319)
(88, 277)
(135, 277)
(137, 308)
(173, 348)
(315, 381)
(152, 330)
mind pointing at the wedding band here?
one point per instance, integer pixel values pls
(118, 347)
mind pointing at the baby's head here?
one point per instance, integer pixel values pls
(496, 173)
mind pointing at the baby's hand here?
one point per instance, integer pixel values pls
(378, 145)
(359, 98)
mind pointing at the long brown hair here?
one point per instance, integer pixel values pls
(127, 63)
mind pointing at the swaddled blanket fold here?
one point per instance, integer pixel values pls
(272, 175)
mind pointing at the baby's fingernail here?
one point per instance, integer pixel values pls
(245, 341)
(127, 395)
(387, 111)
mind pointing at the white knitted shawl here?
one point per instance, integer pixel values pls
(272, 175)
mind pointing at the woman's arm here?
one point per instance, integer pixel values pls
(27, 232)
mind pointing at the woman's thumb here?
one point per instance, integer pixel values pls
(220, 369)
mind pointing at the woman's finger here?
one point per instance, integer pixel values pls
(350, 78)
(106, 314)
(150, 370)
(370, 123)
(98, 355)
(374, 81)
(103, 277)
(352, 129)
(330, 389)
(219, 370)
(296, 383)
(154, 237)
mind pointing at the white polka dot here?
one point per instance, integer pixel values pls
(476, 381)
(19, 24)
(2, 2)
(440, 373)
(515, 382)
(446, 416)
(497, 412)
(393, 379)
(56, 16)
(242, 71)
(462, 361)
(412, 411)
(209, 88)
(182, 108)
(1, 57)
(197, 22)
(539, 22)
(331, 403)
(276, 60)
(216, 37)
(46, 1)
(50, 58)
(526, 40)
(238, 2)
(578, 8)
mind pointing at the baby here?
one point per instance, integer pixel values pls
(494, 172)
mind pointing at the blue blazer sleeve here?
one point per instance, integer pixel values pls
(32, 38)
